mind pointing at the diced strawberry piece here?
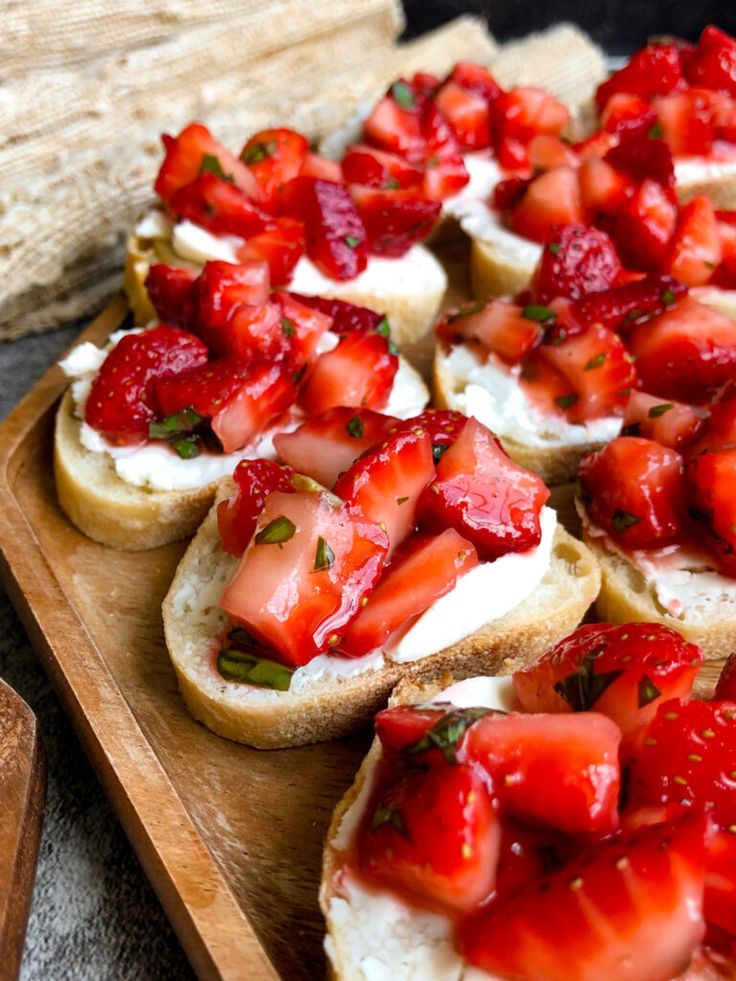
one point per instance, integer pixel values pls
(634, 489)
(304, 575)
(468, 113)
(673, 424)
(425, 83)
(545, 386)
(400, 726)
(274, 157)
(123, 397)
(558, 771)
(712, 482)
(686, 352)
(723, 108)
(346, 317)
(624, 112)
(476, 78)
(597, 145)
(635, 904)
(507, 194)
(598, 369)
(253, 332)
(320, 167)
(686, 755)
(719, 431)
(643, 228)
(170, 291)
(622, 307)
(485, 496)
(641, 156)
(367, 165)
(526, 854)
(435, 835)
(577, 261)
(358, 372)
(726, 687)
(282, 246)
(394, 123)
(713, 63)
(193, 152)
(522, 113)
(623, 672)
(221, 287)
(394, 220)
(336, 238)
(445, 172)
(652, 71)
(603, 188)
(386, 483)
(503, 327)
(551, 200)
(303, 325)
(237, 516)
(326, 445)
(546, 152)
(443, 425)
(719, 901)
(219, 206)
(686, 121)
(512, 155)
(695, 249)
(408, 588)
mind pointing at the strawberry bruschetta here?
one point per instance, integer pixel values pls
(373, 550)
(486, 836)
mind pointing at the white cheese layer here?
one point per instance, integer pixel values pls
(480, 221)
(484, 174)
(690, 170)
(491, 392)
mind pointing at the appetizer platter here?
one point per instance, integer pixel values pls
(364, 376)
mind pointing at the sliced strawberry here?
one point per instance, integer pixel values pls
(503, 327)
(523, 113)
(623, 672)
(643, 228)
(577, 261)
(713, 63)
(253, 332)
(634, 905)
(221, 287)
(435, 835)
(673, 424)
(719, 902)
(686, 121)
(425, 83)
(327, 444)
(622, 307)
(394, 123)
(400, 726)
(726, 687)
(507, 194)
(336, 238)
(526, 854)
(652, 71)
(641, 156)
(634, 489)
(624, 112)
(346, 317)
(411, 584)
(303, 325)
(686, 352)
(443, 425)
(394, 220)
(476, 78)
(445, 172)
(304, 575)
(358, 372)
(325, 170)
(219, 206)
(719, 431)
(123, 398)
(558, 771)
(237, 516)
(485, 496)
(193, 152)
(372, 167)
(546, 152)
(170, 291)
(712, 481)
(468, 113)
(388, 480)
(604, 189)
(545, 386)
(281, 247)
(274, 157)
(695, 249)
(598, 369)
(550, 201)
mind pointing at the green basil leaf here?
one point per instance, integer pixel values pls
(383, 327)
(276, 532)
(187, 447)
(351, 241)
(554, 247)
(211, 165)
(324, 556)
(401, 500)
(355, 427)
(596, 361)
(668, 297)
(655, 133)
(258, 152)
(403, 95)
(465, 312)
(659, 410)
(248, 669)
(384, 814)
(446, 734)
(623, 520)
(288, 327)
(179, 424)
(542, 315)
(566, 401)
(647, 691)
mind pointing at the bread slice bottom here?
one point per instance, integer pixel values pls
(329, 707)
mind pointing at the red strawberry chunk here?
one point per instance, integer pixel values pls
(686, 121)
(445, 172)
(634, 489)
(328, 444)
(468, 113)
(622, 307)
(394, 220)
(281, 247)
(634, 905)
(641, 156)
(598, 369)
(123, 397)
(713, 63)
(400, 726)
(712, 480)
(624, 112)
(726, 687)
(274, 157)
(302, 325)
(719, 431)
(503, 327)
(193, 152)
(546, 152)
(550, 201)
(623, 672)
(326, 170)
(476, 78)
(485, 496)
(443, 425)
(394, 123)
(336, 238)
(577, 261)
(686, 352)
(253, 332)
(435, 835)
(695, 249)
(221, 287)
(237, 516)
(412, 583)
(304, 575)
(643, 229)
(170, 291)
(507, 194)
(523, 113)
(346, 317)
(673, 424)
(655, 70)
(545, 386)
(604, 189)
(425, 83)
(553, 771)
(368, 165)
(358, 372)
(719, 901)
(219, 206)
(388, 480)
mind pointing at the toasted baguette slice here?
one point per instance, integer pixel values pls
(330, 707)
(717, 183)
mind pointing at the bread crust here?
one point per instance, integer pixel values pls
(720, 190)
(330, 708)
(494, 273)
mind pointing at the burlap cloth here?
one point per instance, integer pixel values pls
(87, 88)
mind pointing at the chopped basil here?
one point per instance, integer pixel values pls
(383, 327)
(554, 247)
(324, 556)
(566, 401)
(446, 734)
(287, 326)
(655, 133)
(211, 165)
(647, 691)
(298, 375)
(179, 424)
(403, 95)
(384, 814)
(465, 312)
(352, 241)
(246, 668)
(659, 410)
(595, 362)
(187, 447)
(668, 297)
(258, 152)
(535, 311)
(276, 532)
(401, 500)
(582, 689)
(635, 314)
(625, 392)
(392, 184)
(438, 451)
(622, 520)
(355, 427)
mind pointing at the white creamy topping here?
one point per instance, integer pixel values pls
(482, 222)
(491, 392)
(482, 595)
(192, 242)
(84, 359)
(484, 174)
(328, 667)
(154, 224)
(409, 394)
(484, 691)
(688, 170)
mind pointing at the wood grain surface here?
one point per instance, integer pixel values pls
(22, 791)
